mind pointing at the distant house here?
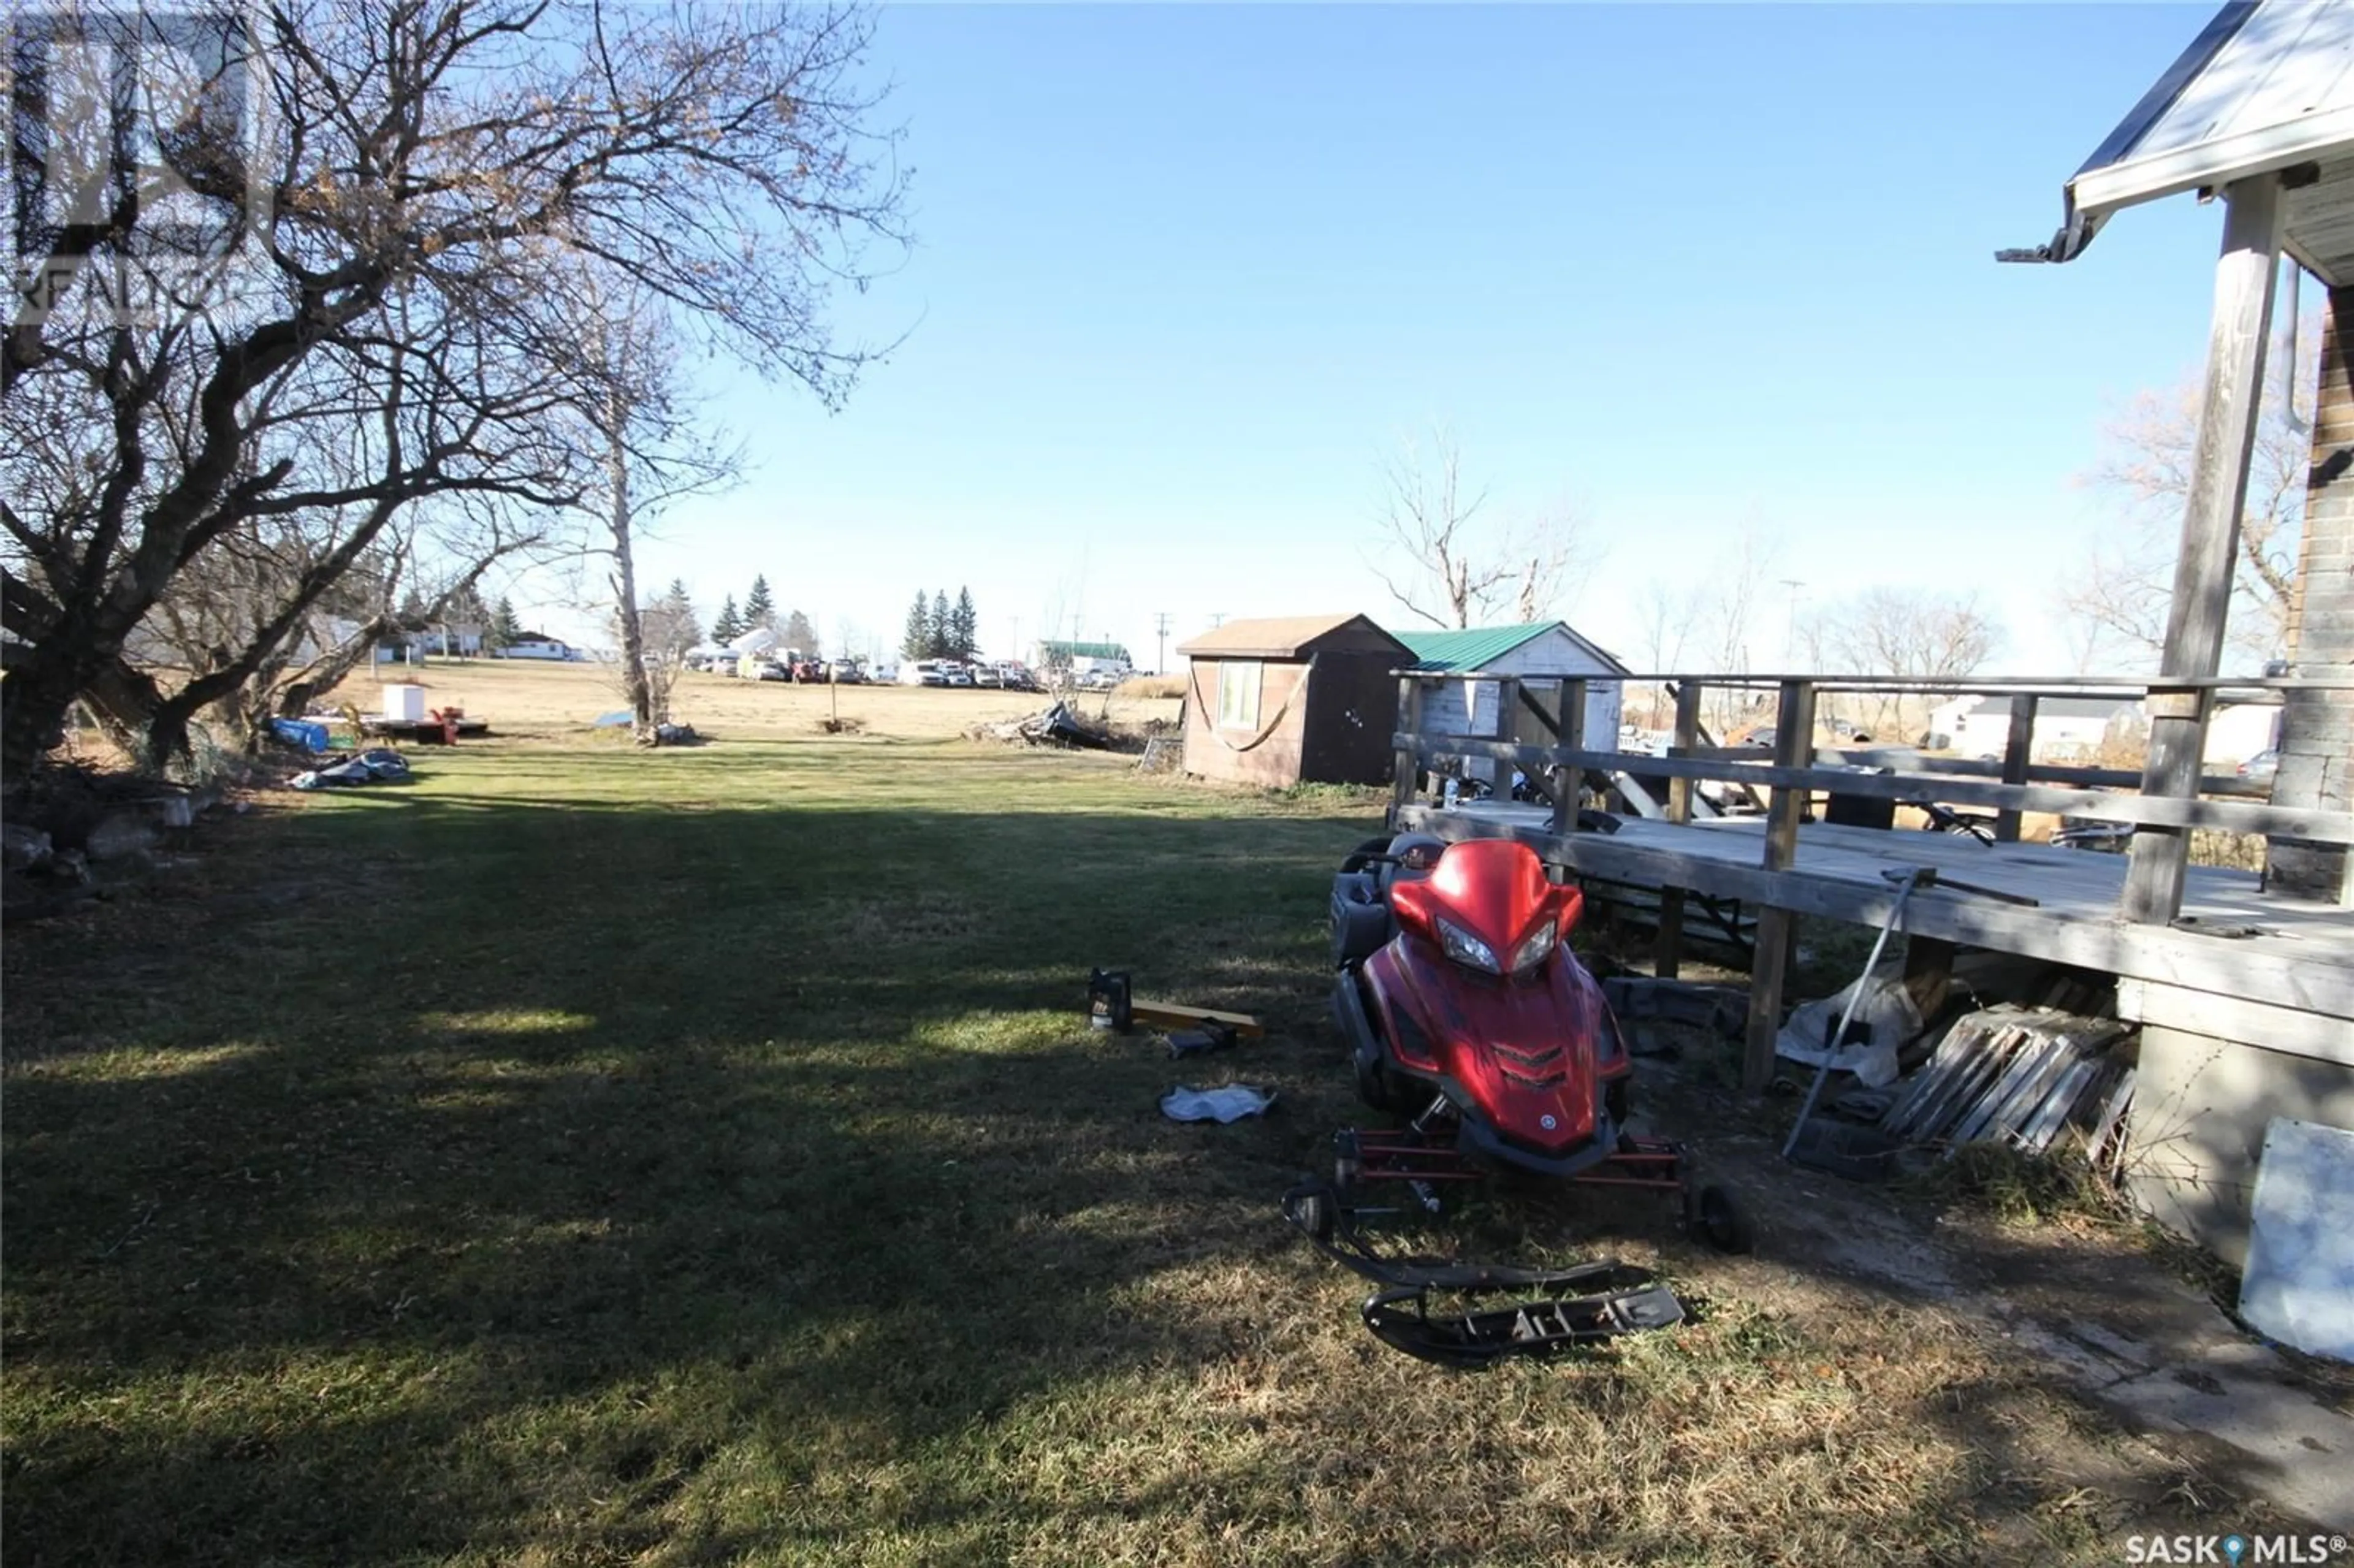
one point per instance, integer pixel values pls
(537, 645)
(1540, 653)
(2239, 730)
(451, 640)
(408, 644)
(1309, 698)
(2066, 729)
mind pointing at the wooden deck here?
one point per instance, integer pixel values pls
(2244, 965)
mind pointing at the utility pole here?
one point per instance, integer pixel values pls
(1160, 627)
(1790, 627)
(1218, 619)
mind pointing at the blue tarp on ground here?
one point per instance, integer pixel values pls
(304, 733)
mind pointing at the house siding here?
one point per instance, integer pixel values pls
(2316, 745)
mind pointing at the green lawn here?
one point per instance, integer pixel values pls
(582, 1156)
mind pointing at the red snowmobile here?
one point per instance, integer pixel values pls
(1467, 1013)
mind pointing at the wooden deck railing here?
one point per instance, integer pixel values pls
(2159, 806)
(1796, 769)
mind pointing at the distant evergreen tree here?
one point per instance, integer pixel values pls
(682, 610)
(505, 630)
(759, 609)
(799, 633)
(964, 626)
(916, 642)
(936, 631)
(729, 625)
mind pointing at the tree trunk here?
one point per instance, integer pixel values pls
(644, 723)
(33, 704)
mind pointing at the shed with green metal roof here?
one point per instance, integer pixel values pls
(1538, 654)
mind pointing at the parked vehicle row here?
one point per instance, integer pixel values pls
(765, 667)
(995, 675)
(1006, 675)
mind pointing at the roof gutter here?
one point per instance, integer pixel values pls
(2078, 226)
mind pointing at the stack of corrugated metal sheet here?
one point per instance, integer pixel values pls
(2010, 1074)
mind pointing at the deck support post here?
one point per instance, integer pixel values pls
(2017, 752)
(2211, 511)
(1777, 928)
(1667, 946)
(1406, 782)
(1568, 777)
(1507, 726)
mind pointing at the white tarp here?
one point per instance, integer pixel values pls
(1886, 1011)
(2299, 1286)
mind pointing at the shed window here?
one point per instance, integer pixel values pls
(1238, 683)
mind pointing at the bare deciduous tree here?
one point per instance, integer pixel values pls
(652, 452)
(1451, 566)
(1915, 633)
(664, 630)
(216, 611)
(369, 283)
(1668, 613)
(1731, 597)
(2118, 596)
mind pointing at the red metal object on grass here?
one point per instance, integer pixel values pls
(1468, 1014)
(1478, 1000)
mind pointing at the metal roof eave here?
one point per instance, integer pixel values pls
(2311, 139)
(2082, 218)
(2094, 196)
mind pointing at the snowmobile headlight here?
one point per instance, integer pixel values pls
(1466, 948)
(1535, 947)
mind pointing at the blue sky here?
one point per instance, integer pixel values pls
(1187, 274)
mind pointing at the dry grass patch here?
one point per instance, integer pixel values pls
(703, 1157)
(520, 697)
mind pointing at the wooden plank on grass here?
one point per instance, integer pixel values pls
(1169, 1014)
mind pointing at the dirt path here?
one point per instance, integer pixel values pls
(2107, 1318)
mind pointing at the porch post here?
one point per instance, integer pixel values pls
(2211, 535)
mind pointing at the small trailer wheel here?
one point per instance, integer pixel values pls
(1315, 1211)
(1715, 1218)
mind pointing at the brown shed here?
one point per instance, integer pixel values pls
(1302, 698)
